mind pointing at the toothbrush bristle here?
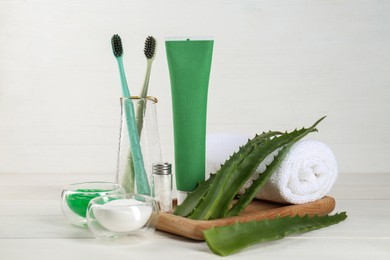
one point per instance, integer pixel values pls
(150, 47)
(116, 43)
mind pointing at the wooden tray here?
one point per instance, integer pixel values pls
(257, 210)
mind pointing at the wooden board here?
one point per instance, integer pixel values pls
(257, 210)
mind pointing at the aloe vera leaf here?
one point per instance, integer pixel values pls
(193, 200)
(245, 199)
(257, 184)
(218, 188)
(196, 196)
(227, 240)
(226, 185)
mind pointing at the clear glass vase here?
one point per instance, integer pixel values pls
(146, 118)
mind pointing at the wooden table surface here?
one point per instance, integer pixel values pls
(32, 226)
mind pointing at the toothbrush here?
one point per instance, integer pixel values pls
(149, 51)
(139, 168)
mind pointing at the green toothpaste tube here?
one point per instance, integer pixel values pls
(189, 63)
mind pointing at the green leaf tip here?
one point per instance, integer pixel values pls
(227, 240)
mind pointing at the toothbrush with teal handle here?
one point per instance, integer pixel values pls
(139, 168)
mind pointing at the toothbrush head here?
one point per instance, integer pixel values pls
(150, 47)
(116, 43)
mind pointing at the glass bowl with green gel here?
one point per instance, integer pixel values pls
(75, 199)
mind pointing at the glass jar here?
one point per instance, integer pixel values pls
(147, 127)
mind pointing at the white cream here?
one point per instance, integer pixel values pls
(123, 215)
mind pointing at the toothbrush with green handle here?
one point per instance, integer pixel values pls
(149, 51)
(139, 168)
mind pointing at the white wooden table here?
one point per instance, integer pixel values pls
(32, 226)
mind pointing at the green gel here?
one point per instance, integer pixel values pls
(78, 201)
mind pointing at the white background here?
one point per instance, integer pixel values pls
(276, 65)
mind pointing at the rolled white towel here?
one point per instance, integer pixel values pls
(307, 173)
